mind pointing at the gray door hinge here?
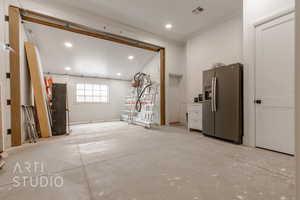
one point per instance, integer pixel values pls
(8, 131)
(8, 102)
(6, 18)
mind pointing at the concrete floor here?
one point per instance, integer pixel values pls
(116, 161)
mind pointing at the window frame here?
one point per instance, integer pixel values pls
(92, 102)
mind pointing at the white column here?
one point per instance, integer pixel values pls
(298, 97)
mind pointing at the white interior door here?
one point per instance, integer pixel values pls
(275, 49)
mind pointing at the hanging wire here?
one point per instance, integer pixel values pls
(142, 82)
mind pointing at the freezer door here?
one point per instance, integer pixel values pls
(229, 103)
(208, 116)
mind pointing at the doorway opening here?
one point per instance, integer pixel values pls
(143, 51)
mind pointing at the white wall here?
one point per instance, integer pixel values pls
(153, 68)
(297, 75)
(175, 103)
(221, 43)
(5, 93)
(5, 83)
(255, 10)
(2, 77)
(85, 113)
(25, 81)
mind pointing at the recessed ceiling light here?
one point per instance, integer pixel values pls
(119, 74)
(68, 44)
(130, 57)
(67, 68)
(169, 26)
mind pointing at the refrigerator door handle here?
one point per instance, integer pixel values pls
(212, 94)
(215, 94)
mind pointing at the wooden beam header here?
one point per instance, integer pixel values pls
(42, 19)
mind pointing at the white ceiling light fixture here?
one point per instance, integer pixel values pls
(119, 74)
(168, 26)
(68, 44)
(68, 68)
(130, 57)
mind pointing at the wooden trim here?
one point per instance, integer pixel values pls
(15, 80)
(162, 87)
(38, 18)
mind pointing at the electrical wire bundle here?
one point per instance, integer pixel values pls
(141, 82)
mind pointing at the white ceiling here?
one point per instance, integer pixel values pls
(88, 56)
(152, 15)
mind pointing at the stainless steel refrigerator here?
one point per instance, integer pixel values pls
(223, 103)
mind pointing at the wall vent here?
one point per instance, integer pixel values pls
(198, 10)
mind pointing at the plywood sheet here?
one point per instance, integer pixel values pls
(39, 90)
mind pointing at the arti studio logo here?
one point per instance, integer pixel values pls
(32, 174)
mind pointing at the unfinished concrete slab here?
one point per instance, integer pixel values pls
(117, 161)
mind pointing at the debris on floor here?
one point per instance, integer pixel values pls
(2, 162)
(116, 160)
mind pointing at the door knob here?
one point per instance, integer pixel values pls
(258, 101)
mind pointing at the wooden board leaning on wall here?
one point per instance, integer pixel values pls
(39, 89)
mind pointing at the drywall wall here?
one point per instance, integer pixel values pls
(6, 82)
(176, 93)
(175, 57)
(5, 93)
(254, 10)
(25, 83)
(2, 77)
(176, 99)
(297, 75)
(221, 43)
(152, 68)
(176, 90)
(89, 112)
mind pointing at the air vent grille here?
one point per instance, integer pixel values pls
(198, 10)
